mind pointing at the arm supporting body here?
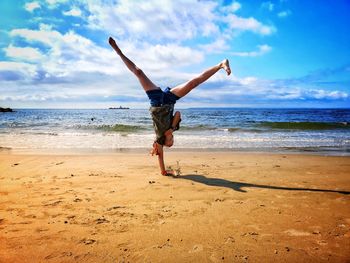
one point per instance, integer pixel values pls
(161, 159)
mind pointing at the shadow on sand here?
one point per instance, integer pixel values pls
(237, 186)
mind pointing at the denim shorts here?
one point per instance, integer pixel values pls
(159, 97)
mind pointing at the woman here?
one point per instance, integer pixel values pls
(165, 122)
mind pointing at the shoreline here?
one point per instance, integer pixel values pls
(319, 151)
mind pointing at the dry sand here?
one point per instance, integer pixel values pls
(225, 207)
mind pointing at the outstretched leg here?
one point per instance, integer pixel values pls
(182, 89)
(146, 83)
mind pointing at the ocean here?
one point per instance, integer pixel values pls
(232, 129)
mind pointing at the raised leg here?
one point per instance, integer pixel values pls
(182, 89)
(146, 83)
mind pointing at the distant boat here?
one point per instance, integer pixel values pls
(120, 108)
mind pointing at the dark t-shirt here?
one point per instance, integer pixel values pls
(162, 118)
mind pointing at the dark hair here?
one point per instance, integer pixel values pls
(161, 140)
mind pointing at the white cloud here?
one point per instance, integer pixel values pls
(44, 35)
(248, 81)
(243, 90)
(22, 68)
(268, 5)
(284, 13)
(248, 24)
(166, 56)
(233, 7)
(23, 53)
(172, 20)
(71, 59)
(67, 53)
(54, 3)
(73, 12)
(30, 7)
(235, 88)
(284, 93)
(177, 20)
(296, 93)
(218, 46)
(262, 49)
(324, 94)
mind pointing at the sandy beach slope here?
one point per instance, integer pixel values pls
(224, 207)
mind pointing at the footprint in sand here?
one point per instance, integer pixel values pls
(101, 220)
(53, 203)
(250, 234)
(322, 242)
(87, 241)
(242, 257)
(196, 248)
(30, 216)
(25, 223)
(296, 233)
(39, 230)
(229, 240)
(115, 207)
(116, 176)
(53, 255)
(59, 254)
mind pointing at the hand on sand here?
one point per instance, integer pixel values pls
(168, 173)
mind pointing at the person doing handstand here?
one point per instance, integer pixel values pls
(165, 121)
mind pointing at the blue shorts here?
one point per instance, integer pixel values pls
(159, 97)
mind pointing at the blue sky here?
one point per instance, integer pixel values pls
(285, 53)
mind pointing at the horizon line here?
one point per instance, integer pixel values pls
(130, 108)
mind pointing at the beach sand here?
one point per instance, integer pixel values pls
(224, 207)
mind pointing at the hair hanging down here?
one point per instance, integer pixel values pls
(161, 140)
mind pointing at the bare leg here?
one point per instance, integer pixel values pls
(146, 83)
(182, 89)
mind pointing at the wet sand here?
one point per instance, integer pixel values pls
(224, 207)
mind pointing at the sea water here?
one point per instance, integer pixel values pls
(318, 130)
